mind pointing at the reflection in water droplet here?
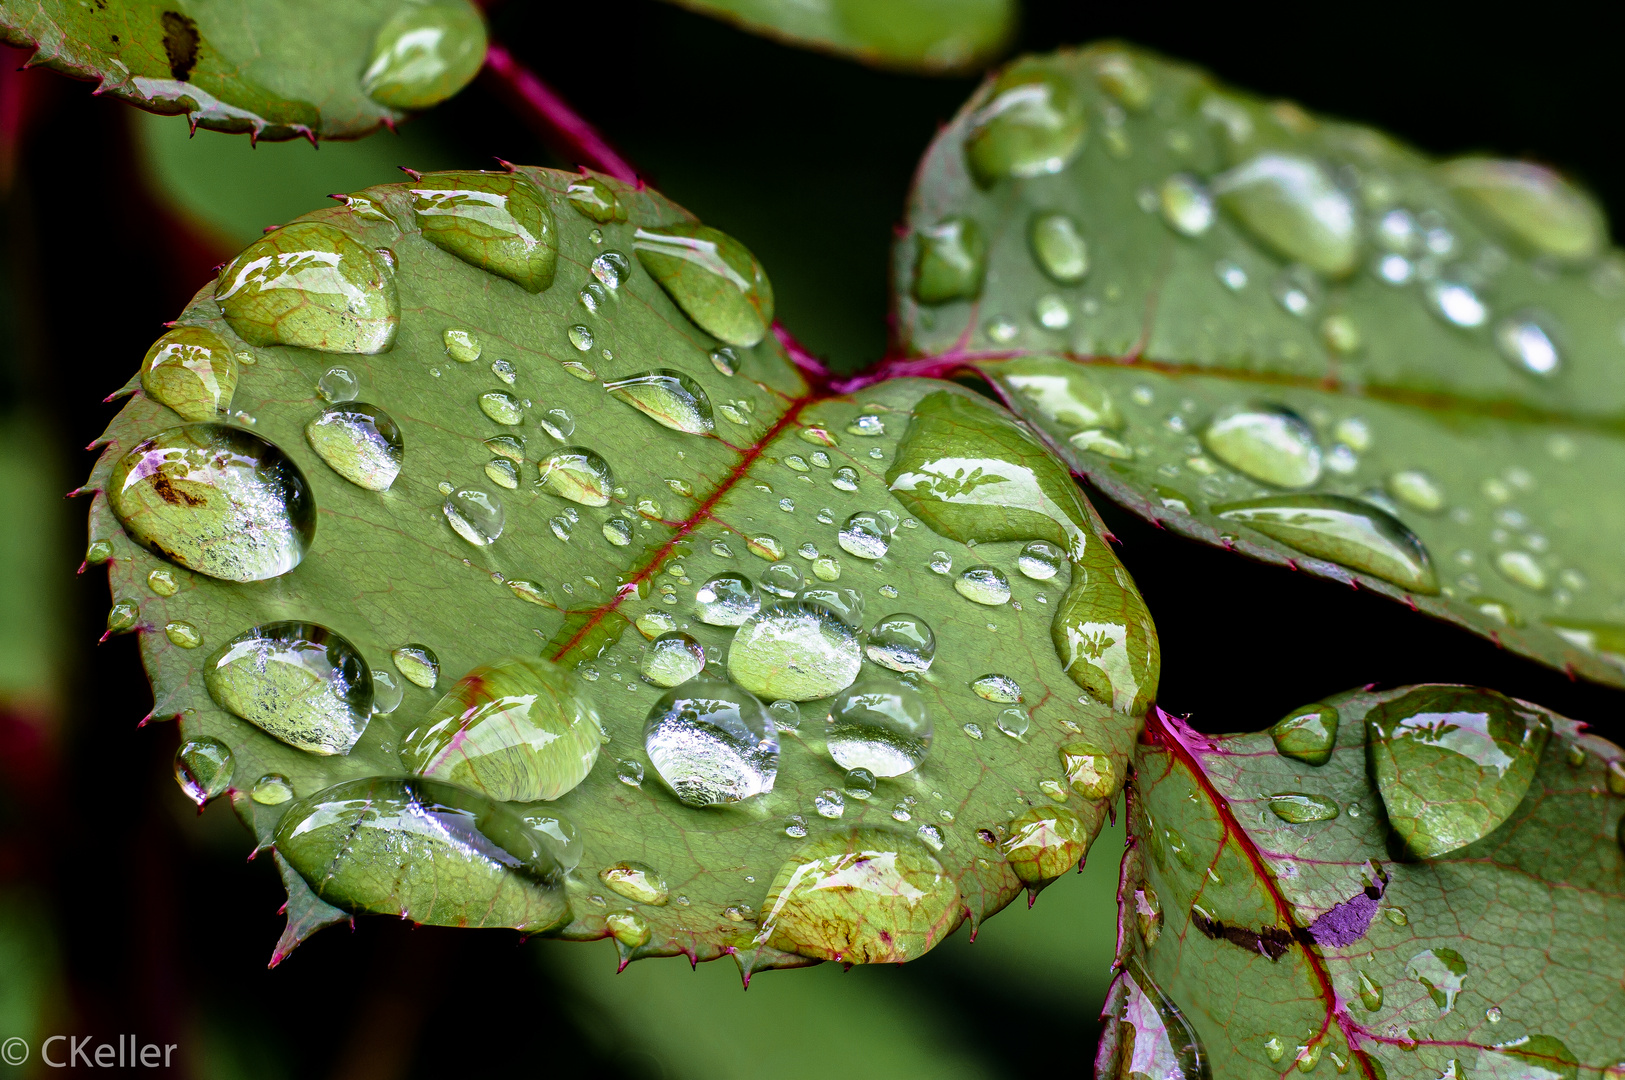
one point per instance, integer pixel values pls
(1040, 560)
(418, 664)
(272, 789)
(880, 725)
(387, 692)
(902, 642)
(1000, 688)
(461, 345)
(951, 261)
(215, 499)
(669, 397)
(1089, 770)
(475, 516)
(1059, 247)
(611, 269)
(795, 651)
(782, 580)
(1442, 973)
(183, 634)
(636, 882)
(712, 743)
(1293, 206)
(1370, 993)
(712, 277)
(671, 659)
(503, 473)
(1268, 443)
(1013, 722)
(193, 371)
(1044, 843)
(1307, 734)
(1302, 809)
(1186, 205)
(1348, 531)
(360, 442)
(865, 536)
(1151, 1037)
(296, 681)
(311, 284)
(203, 768)
(829, 804)
(498, 222)
(983, 584)
(578, 474)
(844, 604)
(1526, 345)
(423, 54)
(727, 599)
(581, 337)
(163, 582)
(502, 407)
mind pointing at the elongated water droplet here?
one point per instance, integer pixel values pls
(1268, 443)
(1527, 345)
(902, 642)
(215, 499)
(951, 261)
(794, 651)
(1000, 688)
(418, 664)
(203, 768)
(1417, 490)
(476, 516)
(297, 682)
(1062, 392)
(636, 882)
(313, 285)
(183, 634)
(1457, 303)
(191, 370)
(1059, 247)
(618, 532)
(1186, 204)
(578, 474)
(865, 536)
(1032, 123)
(1044, 843)
(360, 442)
(983, 584)
(1348, 531)
(1537, 208)
(424, 54)
(1301, 808)
(517, 730)
(595, 200)
(272, 789)
(498, 222)
(712, 277)
(712, 743)
(1151, 1035)
(503, 473)
(668, 397)
(1292, 205)
(1452, 763)
(671, 659)
(1370, 993)
(162, 582)
(1442, 973)
(1308, 734)
(1533, 1057)
(502, 407)
(880, 725)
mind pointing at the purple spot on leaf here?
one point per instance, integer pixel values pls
(1347, 922)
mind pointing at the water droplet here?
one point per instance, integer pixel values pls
(1521, 568)
(671, 659)
(296, 681)
(461, 345)
(795, 651)
(418, 663)
(595, 200)
(845, 478)
(712, 743)
(941, 563)
(387, 692)
(1442, 972)
(1296, 290)
(474, 515)
(98, 552)
(1000, 688)
(503, 473)
(191, 370)
(1417, 490)
(829, 804)
(629, 772)
(360, 442)
(1051, 312)
(1308, 734)
(215, 499)
(498, 222)
(1370, 993)
(1044, 843)
(1152, 1035)
(668, 397)
(1341, 334)
(1457, 303)
(580, 475)
(502, 407)
(902, 642)
(712, 277)
(1059, 248)
(983, 584)
(1343, 530)
(162, 582)
(636, 882)
(1291, 204)
(1268, 443)
(863, 535)
(769, 548)
(951, 261)
(844, 604)
(532, 592)
(727, 599)
(781, 580)
(203, 768)
(1032, 123)
(422, 55)
(1013, 722)
(272, 789)
(1302, 809)
(1040, 560)
(880, 725)
(725, 360)
(1186, 205)
(1531, 205)
(1526, 345)
(611, 269)
(311, 284)
(1089, 770)
(1452, 763)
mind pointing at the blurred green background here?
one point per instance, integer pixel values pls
(121, 910)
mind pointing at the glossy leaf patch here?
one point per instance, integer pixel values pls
(1291, 336)
(1279, 913)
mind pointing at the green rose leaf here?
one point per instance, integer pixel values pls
(503, 570)
(1272, 912)
(1293, 337)
(937, 36)
(277, 70)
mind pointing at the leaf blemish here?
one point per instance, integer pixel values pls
(180, 44)
(1271, 941)
(1348, 921)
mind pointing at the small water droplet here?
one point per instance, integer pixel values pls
(162, 582)
(867, 425)
(272, 789)
(476, 516)
(418, 664)
(951, 261)
(296, 681)
(786, 715)
(1000, 688)
(1308, 734)
(1527, 345)
(193, 371)
(183, 634)
(1059, 247)
(767, 547)
(864, 536)
(941, 563)
(1521, 568)
(203, 768)
(984, 585)
(845, 478)
(902, 642)
(423, 55)
(727, 599)
(1417, 490)
(1186, 205)
(725, 360)
(503, 473)
(1457, 303)
(829, 803)
(782, 580)
(672, 659)
(462, 345)
(502, 407)
(629, 772)
(1370, 993)
(1040, 560)
(579, 475)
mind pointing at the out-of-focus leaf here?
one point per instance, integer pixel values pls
(937, 36)
(30, 641)
(1269, 915)
(1293, 337)
(279, 70)
(508, 468)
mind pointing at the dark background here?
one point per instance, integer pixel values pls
(157, 921)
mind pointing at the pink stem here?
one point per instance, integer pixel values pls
(551, 118)
(810, 365)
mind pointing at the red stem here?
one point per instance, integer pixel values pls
(550, 116)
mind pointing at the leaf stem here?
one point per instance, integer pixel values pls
(547, 114)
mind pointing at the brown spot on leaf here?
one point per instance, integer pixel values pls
(1271, 941)
(165, 489)
(181, 41)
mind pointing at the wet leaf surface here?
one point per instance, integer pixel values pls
(1265, 937)
(1292, 337)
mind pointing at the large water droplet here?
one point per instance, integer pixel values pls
(1292, 205)
(191, 370)
(1267, 442)
(1302, 808)
(595, 199)
(1089, 770)
(203, 768)
(476, 516)
(1031, 124)
(727, 599)
(879, 725)
(578, 474)
(712, 277)
(1532, 205)
(418, 664)
(498, 222)
(983, 584)
(795, 651)
(667, 397)
(1452, 763)
(951, 261)
(1044, 843)
(864, 897)
(1059, 247)
(1533, 1057)
(636, 882)
(502, 407)
(518, 730)
(1348, 531)
(1063, 392)
(865, 536)
(296, 681)
(902, 642)
(1040, 560)
(215, 499)
(1151, 1037)
(424, 54)
(1442, 973)
(712, 743)
(313, 285)
(426, 851)
(1308, 734)
(1526, 344)
(995, 687)
(360, 442)
(671, 659)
